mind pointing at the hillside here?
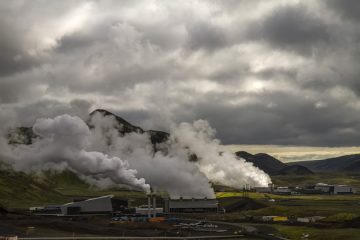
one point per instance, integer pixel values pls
(18, 189)
(294, 170)
(263, 161)
(348, 163)
(271, 165)
(21, 190)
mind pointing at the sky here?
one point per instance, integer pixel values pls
(276, 73)
(294, 153)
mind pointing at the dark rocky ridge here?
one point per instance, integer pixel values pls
(156, 137)
(271, 165)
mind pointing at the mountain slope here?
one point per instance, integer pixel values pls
(125, 127)
(18, 189)
(271, 165)
(348, 163)
(294, 170)
(265, 162)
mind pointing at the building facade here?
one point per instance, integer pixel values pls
(99, 205)
(334, 189)
(192, 205)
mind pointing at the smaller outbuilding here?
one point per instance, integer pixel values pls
(191, 205)
(282, 190)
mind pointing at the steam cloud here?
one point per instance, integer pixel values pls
(97, 155)
(171, 169)
(220, 167)
(62, 145)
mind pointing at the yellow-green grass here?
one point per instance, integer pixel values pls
(302, 206)
(256, 195)
(20, 190)
(296, 232)
(330, 178)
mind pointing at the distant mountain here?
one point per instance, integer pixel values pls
(295, 170)
(263, 161)
(271, 165)
(348, 163)
(125, 126)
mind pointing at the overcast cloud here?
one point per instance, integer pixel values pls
(261, 72)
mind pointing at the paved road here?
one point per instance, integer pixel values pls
(113, 238)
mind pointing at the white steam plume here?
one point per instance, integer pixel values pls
(218, 166)
(62, 145)
(171, 172)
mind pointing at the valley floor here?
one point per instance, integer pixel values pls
(341, 213)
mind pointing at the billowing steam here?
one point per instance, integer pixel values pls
(219, 167)
(171, 171)
(102, 156)
(62, 144)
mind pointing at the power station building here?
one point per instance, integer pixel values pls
(107, 205)
(192, 205)
(99, 205)
(334, 189)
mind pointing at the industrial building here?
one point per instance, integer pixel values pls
(334, 189)
(269, 189)
(191, 205)
(282, 190)
(99, 205)
(107, 205)
(143, 210)
(272, 189)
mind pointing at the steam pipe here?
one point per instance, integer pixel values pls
(154, 205)
(149, 206)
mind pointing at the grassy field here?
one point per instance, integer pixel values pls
(346, 179)
(20, 190)
(255, 195)
(336, 209)
(292, 232)
(307, 205)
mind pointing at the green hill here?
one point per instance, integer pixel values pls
(19, 190)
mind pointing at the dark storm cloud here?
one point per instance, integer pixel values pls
(13, 57)
(52, 108)
(293, 121)
(292, 28)
(203, 35)
(348, 9)
(261, 72)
